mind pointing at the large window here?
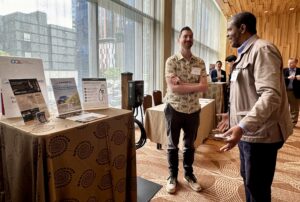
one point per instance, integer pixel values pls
(203, 17)
(66, 36)
(103, 38)
(125, 43)
(51, 30)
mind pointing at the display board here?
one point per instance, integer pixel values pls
(29, 99)
(18, 68)
(94, 93)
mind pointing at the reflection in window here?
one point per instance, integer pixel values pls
(56, 33)
(125, 45)
(27, 54)
(27, 37)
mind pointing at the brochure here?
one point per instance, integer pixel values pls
(68, 101)
(66, 95)
(86, 117)
(95, 94)
(29, 98)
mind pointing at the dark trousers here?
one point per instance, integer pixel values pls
(294, 106)
(175, 122)
(258, 162)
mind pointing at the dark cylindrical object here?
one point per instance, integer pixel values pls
(126, 76)
(135, 93)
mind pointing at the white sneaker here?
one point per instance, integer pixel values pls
(191, 180)
(171, 184)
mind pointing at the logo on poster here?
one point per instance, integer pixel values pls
(14, 61)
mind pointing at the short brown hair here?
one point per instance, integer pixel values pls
(296, 60)
(187, 28)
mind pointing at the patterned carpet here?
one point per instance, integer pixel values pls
(218, 173)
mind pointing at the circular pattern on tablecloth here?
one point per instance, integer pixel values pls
(57, 145)
(103, 157)
(105, 182)
(92, 199)
(130, 124)
(102, 130)
(120, 187)
(119, 161)
(84, 149)
(87, 178)
(69, 200)
(118, 137)
(63, 177)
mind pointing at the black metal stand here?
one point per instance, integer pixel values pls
(143, 137)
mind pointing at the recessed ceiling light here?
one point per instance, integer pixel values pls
(292, 9)
(266, 11)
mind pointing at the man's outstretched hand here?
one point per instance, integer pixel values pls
(223, 125)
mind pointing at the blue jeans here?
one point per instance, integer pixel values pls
(258, 162)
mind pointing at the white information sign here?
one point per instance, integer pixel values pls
(94, 93)
(18, 68)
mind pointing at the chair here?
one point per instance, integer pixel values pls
(147, 102)
(157, 97)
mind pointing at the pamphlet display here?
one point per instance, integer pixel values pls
(94, 93)
(29, 99)
(66, 95)
(18, 68)
(68, 101)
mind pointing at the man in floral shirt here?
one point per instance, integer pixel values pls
(186, 78)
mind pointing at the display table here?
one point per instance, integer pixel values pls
(64, 160)
(155, 123)
(216, 90)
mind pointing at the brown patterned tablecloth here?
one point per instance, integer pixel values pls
(68, 161)
(155, 123)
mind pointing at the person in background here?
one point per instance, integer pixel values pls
(259, 116)
(223, 117)
(229, 60)
(212, 67)
(185, 77)
(218, 75)
(292, 82)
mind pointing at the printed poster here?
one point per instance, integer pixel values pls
(95, 94)
(66, 95)
(18, 68)
(29, 98)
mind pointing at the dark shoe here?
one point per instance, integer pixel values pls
(191, 180)
(171, 184)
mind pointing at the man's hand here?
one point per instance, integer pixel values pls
(175, 80)
(233, 135)
(291, 77)
(223, 125)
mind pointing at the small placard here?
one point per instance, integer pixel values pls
(94, 93)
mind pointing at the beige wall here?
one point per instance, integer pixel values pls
(222, 49)
(167, 39)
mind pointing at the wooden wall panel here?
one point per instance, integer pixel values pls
(283, 30)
